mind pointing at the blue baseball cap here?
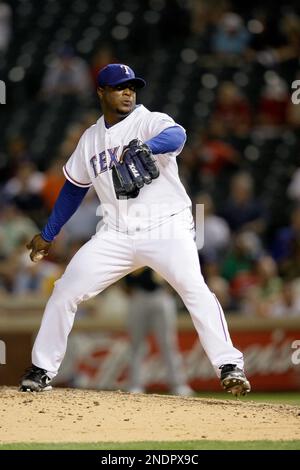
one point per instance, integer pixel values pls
(115, 74)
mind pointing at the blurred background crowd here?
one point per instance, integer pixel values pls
(221, 69)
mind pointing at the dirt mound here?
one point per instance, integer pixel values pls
(68, 415)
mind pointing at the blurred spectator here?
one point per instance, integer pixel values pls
(37, 278)
(19, 276)
(153, 310)
(189, 169)
(26, 177)
(286, 239)
(288, 302)
(200, 17)
(14, 229)
(288, 47)
(238, 266)
(67, 74)
(273, 104)
(9, 266)
(274, 297)
(232, 109)
(266, 35)
(5, 26)
(241, 210)
(216, 231)
(71, 140)
(290, 28)
(88, 119)
(83, 223)
(16, 155)
(24, 188)
(260, 298)
(215, 153)
(231, 37)
(293, 190)
(54, 181)
(220, 287)
(290, 267)
(293, 115)
(268, 285)
(102, 57)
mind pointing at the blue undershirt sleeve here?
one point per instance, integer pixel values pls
(167, 141)
(68, 201)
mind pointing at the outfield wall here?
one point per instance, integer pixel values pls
(98, 350)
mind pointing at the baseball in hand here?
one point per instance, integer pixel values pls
(38, 256)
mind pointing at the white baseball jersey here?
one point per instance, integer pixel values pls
(92, 161)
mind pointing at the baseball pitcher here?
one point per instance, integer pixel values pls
(129, 156)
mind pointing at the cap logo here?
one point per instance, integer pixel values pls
(125, 68)
(115, 74)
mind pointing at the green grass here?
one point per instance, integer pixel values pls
(288, 398)
(151, 445)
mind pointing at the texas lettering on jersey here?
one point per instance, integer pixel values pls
(100, 148)
(100, 164)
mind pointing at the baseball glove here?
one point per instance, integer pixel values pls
(135, 168)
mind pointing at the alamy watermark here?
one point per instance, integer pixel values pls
(2, 92)
(296, 93)
(151, 221)
(2, 352)
(296, 354)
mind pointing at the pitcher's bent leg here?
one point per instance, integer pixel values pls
(177, 261)
(99, 263)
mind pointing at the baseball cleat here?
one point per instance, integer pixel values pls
(35, 379)
(234, 381)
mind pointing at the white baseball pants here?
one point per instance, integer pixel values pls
(168, 249)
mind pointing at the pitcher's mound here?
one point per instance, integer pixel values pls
(69, 415)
